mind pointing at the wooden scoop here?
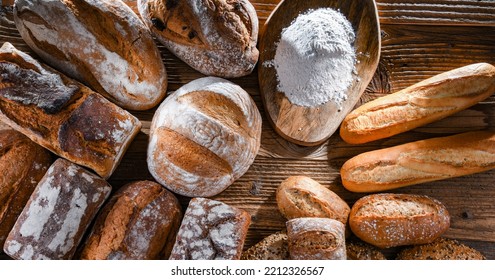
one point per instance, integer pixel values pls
(311, 126)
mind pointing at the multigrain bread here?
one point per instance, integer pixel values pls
(390, 220)
(22, 163)
(420, 161)
(57, 214)
(440, 249)
(203, 137)
(316, 239)
(62, 115)
(272, 247)
(215, 37)
(358, 250)
(101, 43)
(211, 230)
(419, 104)
(139, 222)
(301, 196)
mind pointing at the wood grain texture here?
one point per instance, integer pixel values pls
(414, 47)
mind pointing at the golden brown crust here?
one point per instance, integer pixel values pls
(440, 249)
(272, 247)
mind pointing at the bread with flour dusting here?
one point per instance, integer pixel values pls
(215, 37)
(139, 222)
(57, 214)
(211, 230)
(102, 43)
(62, 115)
(203, 137)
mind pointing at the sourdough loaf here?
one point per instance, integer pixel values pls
(420, 161)
(419, 104)
(22, 163)
(57, 214)
(272, 247)
(211, 230)
(139, 222)
(440, 249)
(101, 43)
(215, 37)
(203, 137)
(62, 115)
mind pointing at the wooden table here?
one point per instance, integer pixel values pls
(420, 38)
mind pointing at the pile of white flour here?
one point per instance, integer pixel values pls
(315, 58)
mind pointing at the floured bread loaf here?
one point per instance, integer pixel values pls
(62, 115)
(101, 43)
(215, 37)
(203, 137)
(58, 213)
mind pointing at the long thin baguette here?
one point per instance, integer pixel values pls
(419, 162)
(425, 102)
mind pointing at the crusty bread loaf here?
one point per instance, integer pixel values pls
(211, 230)
(316, 239)
(272, 247)
(216, 38)
(139, 222)
(301, 196)
(101, 43)
(390, 220)
(440, 249)
(420, 161)
(358, 250)
(419, 104)
(204, 137)
(62, 115)
(22, 163)
(57, 214)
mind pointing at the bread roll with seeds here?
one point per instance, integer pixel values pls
(358, 250)
(203, 137)
(272, 247)
(440, 249)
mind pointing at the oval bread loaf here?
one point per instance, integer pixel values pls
(420, 161)
(204, 137)
(215, 37)
(390, 220)
(101, 43)
(419, 104)
(440, 249)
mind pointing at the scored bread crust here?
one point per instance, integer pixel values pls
(215, 37)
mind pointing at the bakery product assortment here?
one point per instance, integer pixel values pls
(102, 43)
(62, 115)
(272, 247)
(22, 163)
(216, 38)
(203, 137)
(440, 249)
(57, 214)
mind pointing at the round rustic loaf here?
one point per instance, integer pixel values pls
(214, 37)
(440, 249)
(203, 137)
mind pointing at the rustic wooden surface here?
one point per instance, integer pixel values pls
(420, 38)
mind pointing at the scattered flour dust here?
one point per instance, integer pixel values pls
(315, 58)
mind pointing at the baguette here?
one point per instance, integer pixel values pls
(425, 102)
(420, 161)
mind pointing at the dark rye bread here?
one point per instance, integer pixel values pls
(139, 222)
(62, 115)
(101, 43)
(211, 230)
(440, 249)
(214, 37)
(272, 247)
(57, 214)
(22, 163)
(358, 250)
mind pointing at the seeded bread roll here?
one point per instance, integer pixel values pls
(22, 163)
(272, 247)
(358, 250)
(139, 222)
(62, 115)
(390, 220)
(421, 161)
(58, 213)
(419, 104)
(102, 43)
(215, 37)
(316, 239)
(211, 230)
(440, 249)
(203, 137)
